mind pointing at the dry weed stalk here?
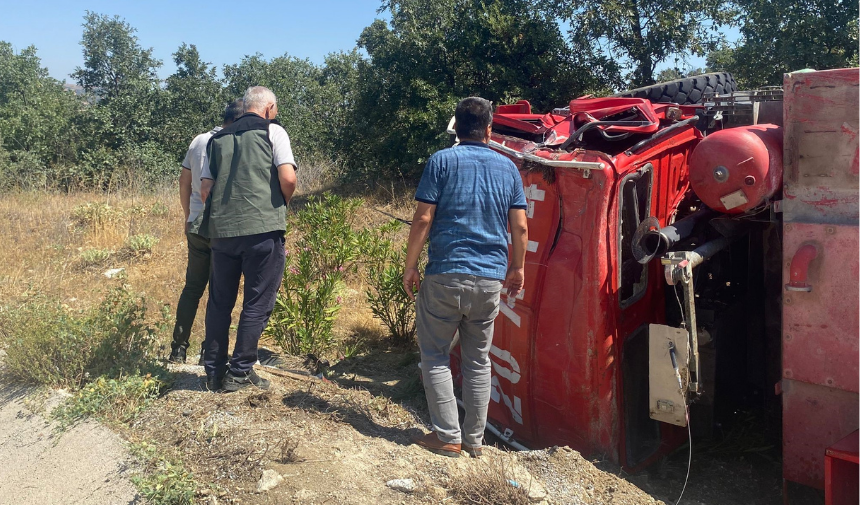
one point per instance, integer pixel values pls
(488, 481)
(288, 452)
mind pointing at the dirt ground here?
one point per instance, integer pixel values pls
(86, 465)
(335, 444)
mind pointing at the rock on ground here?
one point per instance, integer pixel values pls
(269, 480)
(86, 464)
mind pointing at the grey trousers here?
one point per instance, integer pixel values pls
(447, 303)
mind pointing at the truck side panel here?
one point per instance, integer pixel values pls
(820, 269)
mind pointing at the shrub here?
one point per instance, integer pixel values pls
(94, 257)
(48, 344)
(138, 245)
(388, 301)
(94, 215)
(490, 482)
(112, 400)
(302, 321)
(23, 170)
(164, 481)
(159, 209)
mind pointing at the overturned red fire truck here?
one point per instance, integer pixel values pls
(690, 247)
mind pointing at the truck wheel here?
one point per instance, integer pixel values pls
(686, 91)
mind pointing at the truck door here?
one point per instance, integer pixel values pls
(641, 434)
(512, 352)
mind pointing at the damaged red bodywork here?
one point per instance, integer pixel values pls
(566, 350)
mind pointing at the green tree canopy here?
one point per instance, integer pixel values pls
(36, 114)
(779, 36)
(121, 76)
(114, 61)
(431, 54)
(193, 100)
(640, 34)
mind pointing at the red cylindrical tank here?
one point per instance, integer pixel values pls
(738, 169)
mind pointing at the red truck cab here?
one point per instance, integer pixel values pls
(570, 355)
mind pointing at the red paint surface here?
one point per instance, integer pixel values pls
(745, 151)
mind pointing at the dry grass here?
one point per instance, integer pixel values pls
(491, 481)
(60, 245)
(49, 239)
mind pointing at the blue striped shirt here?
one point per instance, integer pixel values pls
(473, 188)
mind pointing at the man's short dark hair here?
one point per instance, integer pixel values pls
(473, 115)
(234, 111)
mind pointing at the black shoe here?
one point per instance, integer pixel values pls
(214, 383)
(177, 355)
(237, 382)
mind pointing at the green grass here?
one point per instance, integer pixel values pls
(52, 345)
(110, 400)
(163, 480)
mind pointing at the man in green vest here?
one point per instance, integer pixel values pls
(250, 178)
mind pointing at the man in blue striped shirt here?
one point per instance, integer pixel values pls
(467, 198)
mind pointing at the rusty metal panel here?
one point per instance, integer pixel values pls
(821, 147)
(820, 268)
(820, 327)
(814, 418)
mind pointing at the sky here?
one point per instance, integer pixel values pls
(304, 29)
(223, 32)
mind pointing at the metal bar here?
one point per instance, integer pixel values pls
(581, 165)
(692, 331)
(660, 134)
(594, 124)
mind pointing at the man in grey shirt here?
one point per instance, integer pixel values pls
(250, 179)
(199, 253)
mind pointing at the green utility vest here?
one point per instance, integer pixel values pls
(246, 198)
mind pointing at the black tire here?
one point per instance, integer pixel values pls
(687, 91)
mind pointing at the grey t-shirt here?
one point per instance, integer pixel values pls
(195, 160)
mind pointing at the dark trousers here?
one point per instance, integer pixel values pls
(260, 258)
(196, 278)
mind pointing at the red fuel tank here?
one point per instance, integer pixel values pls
(738, 169)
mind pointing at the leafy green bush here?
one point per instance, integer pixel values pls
(94, 215)
(159, 209)
(48, 344)
(388, 301)
(302, 321)
(164, 481)
(22, 170)
(138, 245)
(94, 257)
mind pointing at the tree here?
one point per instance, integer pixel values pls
(194, 100)
(114, 61)
(36, 114)
(643, 33)
(432, 54)
(303, 104)
(779, 36)
(121, 76)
